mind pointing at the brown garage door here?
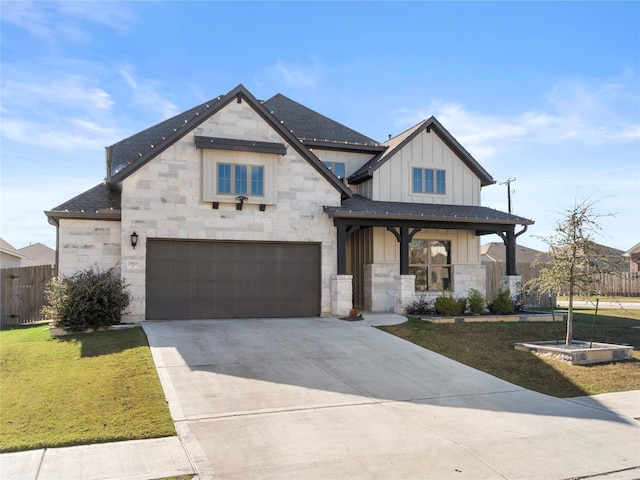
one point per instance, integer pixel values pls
(198, 279)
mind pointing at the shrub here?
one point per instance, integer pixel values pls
(90, 298)
(502, 305)
(420, 306)
(447, 305)
(476, 302)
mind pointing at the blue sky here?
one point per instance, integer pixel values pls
(547, 93)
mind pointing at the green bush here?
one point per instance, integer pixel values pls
(447, 305)
(502, 305)
(90, 298)
(476, 302)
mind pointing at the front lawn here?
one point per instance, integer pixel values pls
(79, 389)
(490, 347)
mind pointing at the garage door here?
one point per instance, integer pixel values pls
(195, 280)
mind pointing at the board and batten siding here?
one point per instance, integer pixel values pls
(392, 181)
(464, 244)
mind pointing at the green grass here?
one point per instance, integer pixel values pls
(490, 347)
(79, 389)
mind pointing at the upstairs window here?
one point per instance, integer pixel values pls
(240, 179)
(430, 262)
(337, 168)
(428, 180)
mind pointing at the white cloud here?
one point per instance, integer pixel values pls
(55, 22)
(147, 93)
(582, 113)
(67, 90)
(298, 75)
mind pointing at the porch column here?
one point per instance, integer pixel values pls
(342, 249)
(510, 243)
(404, 237)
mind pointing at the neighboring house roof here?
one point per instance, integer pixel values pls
(496, 252)
(361, 207)
(7, 249)
(38, 254)
(633, 250)
(395, 145)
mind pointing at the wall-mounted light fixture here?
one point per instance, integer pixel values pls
(134, 240)
(241, 199)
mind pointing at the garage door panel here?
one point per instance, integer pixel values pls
(198, 279)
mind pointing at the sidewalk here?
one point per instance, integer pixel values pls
(136, 459)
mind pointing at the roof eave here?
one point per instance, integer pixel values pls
(428, 218)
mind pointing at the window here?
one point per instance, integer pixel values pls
(428, 180)
(337, 168)
(240, 179)
(430, 262)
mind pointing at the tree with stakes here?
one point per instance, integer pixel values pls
(574, 262)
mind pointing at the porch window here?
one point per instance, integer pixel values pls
(430, 262)
(428, 180)
(337, 168)
(240, 179)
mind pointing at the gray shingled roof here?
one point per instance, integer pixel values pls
(97, 198)
(361, 207)
(131, 148)
(308, 124)
(305, 123)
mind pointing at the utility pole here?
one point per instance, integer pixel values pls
(508, 184)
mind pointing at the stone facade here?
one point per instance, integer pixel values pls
(341, 295)
(86, 243)
(163, 200)
(379, 286)
(405, 291)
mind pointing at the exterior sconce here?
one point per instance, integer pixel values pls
(240, 199)
(134, 240)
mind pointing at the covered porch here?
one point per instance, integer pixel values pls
(362, 280)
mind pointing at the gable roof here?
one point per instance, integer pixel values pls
(398, 142)
(314, 129)
(128, 155)
(38, 254)
(8, 249)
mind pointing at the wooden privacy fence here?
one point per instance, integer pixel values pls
(22, 291)
(624, 284)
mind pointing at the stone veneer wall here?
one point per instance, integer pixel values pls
(85, 243)
(163, 200)
(379, 286)
(468, 276)
(341, 295)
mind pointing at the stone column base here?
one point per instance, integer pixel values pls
(405, 291)
(341, 295)
(514, 284)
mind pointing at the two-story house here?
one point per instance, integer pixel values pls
(247, 208)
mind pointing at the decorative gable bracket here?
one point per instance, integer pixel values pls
(216, 143)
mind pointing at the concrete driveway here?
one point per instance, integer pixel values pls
(318, 398)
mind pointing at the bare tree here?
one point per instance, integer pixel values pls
(574, 262)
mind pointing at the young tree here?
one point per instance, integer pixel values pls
(574, 262)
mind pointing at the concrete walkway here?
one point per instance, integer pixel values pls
(330, 399)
